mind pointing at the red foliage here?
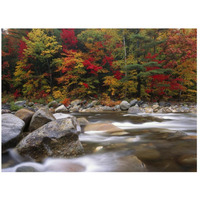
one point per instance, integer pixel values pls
(69, 39)
(22, 46)
(16, 94)
(86, 85)
(108, 59)
(118, 75)
(93, 68)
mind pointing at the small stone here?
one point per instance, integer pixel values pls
(188, 160)
(98, 148)
(61, 109)
(26, 169)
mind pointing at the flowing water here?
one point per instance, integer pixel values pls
(146, 144)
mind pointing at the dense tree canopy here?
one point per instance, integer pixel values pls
(150, 64)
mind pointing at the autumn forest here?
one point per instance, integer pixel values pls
(109, 64)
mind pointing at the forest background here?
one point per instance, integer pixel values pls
(107, 64)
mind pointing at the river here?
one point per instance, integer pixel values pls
(145, 145)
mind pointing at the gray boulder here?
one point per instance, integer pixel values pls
(40, 117)
(12, 128)
(124, 105)
(135, 109)
(57, 139)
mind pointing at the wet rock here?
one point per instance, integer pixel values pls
(26, 169)
(93, 109)
(130, 163)
(155, 106)
(25, 115)
(176, 135)
(147, 154)
(20, 103)
(57, 138)
(12, 128)
(107, 108)
(61, 109)
(139, 103)
(116, 108)
(162, 103)
(3, 111)
(75, 108)
(105, 128)
(30, 103)
(75, 102)
(144, 105)
(99, 148)
(148, 110)
(40, 117)
(124, 105)
(188, 160)
(135, 109)
(5, 106)
(133, 102)
(53, 104)
(92, 104)
(83, 121)
(183, 109)
(166, 110)
(61, 115)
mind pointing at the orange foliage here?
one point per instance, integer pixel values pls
(66, 101)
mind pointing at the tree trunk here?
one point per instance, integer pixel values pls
(126, 74)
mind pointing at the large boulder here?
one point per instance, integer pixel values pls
(135, 109)
(61, 108)
(104, 128)
(40, 117)
(57, 138)
(25, 115)
(124, 105)
(12, 128)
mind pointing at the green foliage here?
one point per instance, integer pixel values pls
(14, 107)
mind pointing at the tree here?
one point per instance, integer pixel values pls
(34, 71)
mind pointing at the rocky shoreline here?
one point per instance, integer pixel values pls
(133, 107)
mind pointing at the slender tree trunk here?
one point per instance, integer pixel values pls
(126, 74)
(51, 79)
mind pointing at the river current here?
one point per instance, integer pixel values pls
(145, 145)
